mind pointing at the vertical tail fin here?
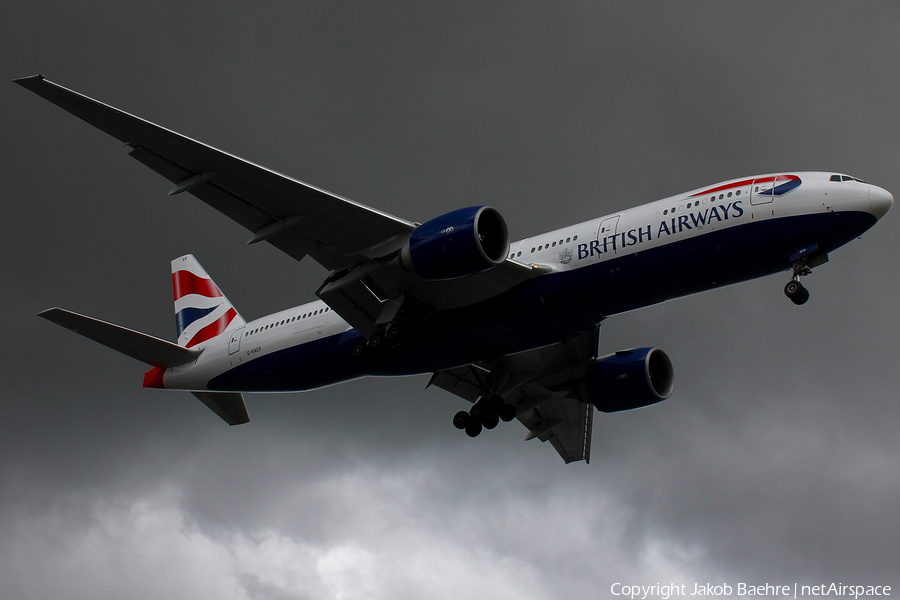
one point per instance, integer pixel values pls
(201, 310)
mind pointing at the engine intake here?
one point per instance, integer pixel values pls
(629, 379)
(459, 243)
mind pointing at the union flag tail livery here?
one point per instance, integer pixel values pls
(202, 312)
(511, 327)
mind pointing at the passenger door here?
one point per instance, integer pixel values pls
(235, 344)
(761, 190)
(608, 227)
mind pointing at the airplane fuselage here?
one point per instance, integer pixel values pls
(706, 238)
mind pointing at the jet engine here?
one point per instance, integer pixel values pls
(629, 379)
(459, 243)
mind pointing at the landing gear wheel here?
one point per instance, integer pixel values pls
(358, 351)
(491, 422)
(796, 292)
(473, 429)
(507, 413)
(391, 333)
(375, 341)
(801, 298)
(461, 419)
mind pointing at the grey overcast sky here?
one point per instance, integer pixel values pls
(776, 460)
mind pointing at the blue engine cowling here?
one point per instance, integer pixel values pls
(459, 243)
(629, 379)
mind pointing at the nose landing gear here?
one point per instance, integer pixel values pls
(794, 290)
(803, 266)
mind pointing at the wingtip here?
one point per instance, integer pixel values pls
(30, 81)
(45, 314)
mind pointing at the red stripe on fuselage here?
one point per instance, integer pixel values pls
(185, 282)
(213, 329)
(729, 186)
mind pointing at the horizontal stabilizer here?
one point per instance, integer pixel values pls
(228, 405)
(135, 344)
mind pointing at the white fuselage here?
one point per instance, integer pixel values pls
(725, 206)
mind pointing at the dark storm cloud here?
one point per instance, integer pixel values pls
(775, 459)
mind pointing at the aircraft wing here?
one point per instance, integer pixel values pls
(295, 217)
(354, 241)
(137, 345)
(543, 386)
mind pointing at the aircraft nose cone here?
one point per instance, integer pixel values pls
(880, 201)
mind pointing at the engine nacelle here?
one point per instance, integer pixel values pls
(629, 379)
(459, 243)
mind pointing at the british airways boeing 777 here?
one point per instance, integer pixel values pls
(512, 327)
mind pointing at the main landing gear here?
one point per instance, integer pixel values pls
(486, 413)
(388, 337)
(794, 290)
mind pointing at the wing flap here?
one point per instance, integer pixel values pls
(137, 345)
(566, 424)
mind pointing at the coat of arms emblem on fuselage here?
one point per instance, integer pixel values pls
(566, 256)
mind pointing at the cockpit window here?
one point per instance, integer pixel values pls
(845, 178)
